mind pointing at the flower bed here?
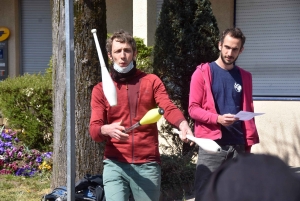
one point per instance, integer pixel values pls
(18, 159)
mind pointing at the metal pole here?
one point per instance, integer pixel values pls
(70, 94)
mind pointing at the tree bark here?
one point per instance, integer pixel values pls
(88, 15)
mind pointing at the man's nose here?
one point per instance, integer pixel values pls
(229, 52)
(123, 54)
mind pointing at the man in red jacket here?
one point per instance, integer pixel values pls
(131, 160)
(218, 90)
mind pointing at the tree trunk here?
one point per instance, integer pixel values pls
(88, 14)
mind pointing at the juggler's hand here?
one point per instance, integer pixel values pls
(115, 130)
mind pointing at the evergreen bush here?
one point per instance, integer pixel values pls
(187, 35)
(143, 60)
(26, 101)
(177, 177)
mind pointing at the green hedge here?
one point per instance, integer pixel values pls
(177, 179)
(26, 101)
(144, 57)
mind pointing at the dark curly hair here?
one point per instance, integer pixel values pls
(122, 37)
(235, 33)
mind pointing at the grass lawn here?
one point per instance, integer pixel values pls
(18, 188)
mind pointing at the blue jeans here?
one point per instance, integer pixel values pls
(122, 179)
(209, 162)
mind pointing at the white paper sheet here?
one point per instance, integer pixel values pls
(244, 115)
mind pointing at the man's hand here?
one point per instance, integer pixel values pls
(185, 130)
(226, 119)
(115, 130)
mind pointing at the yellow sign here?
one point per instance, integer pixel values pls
(4, 33)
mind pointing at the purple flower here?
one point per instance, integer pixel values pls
(20, 154)
(8, 144)
(13, 133)
(6, 137)
(48, 154)
(20, 171)
(39, 159)
(25, 171)
(11, 150)
(7, 152)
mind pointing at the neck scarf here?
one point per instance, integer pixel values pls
(123, 77)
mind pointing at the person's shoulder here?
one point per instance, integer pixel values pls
(98, 85)
(139, 73)
(243, 70)
(151, 76)
(203, 66)
(143, 76)
(97, 88)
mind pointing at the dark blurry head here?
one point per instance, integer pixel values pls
(253, 178)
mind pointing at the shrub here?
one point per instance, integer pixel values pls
(177, 169)
(177, 176)
(26, 101)
(143, 59)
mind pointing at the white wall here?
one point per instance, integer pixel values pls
(279, 130)
(144, 20)
(119, 15)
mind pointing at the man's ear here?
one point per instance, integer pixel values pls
(241, 50)
(135, 55)
(220, 46)
(109, 56)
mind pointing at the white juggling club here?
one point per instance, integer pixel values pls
(207, 145)
(108, 86)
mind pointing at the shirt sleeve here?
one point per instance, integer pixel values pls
(98, 114)
(201, 103)
(171, 112)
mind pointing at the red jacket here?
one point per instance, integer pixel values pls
(202, 106)
(135, 98)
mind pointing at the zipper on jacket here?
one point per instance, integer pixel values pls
(130, 123)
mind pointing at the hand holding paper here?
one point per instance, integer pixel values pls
(244, 115)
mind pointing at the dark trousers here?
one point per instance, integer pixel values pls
(209, 162)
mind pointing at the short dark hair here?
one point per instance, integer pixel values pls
(122, 37)
(235, 33)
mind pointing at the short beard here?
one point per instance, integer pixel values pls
(224, 61)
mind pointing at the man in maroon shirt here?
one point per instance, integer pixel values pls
(131, 160)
